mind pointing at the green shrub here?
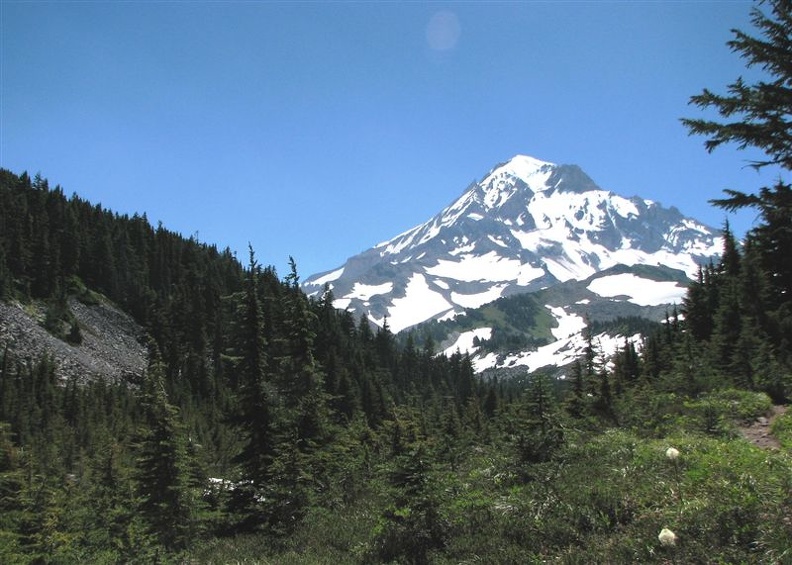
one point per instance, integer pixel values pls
(782, 430)
(742, 404)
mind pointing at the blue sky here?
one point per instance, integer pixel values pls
(319, 129)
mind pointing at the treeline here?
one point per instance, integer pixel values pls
(52, 246)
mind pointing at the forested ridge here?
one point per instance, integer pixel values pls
(270, 427)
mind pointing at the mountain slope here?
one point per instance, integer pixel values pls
(532, 331)
(110, 346)
(527, 225)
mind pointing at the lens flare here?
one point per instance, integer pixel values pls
(443, 31)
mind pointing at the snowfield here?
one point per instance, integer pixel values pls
(464, 343)
(644, 292)
(479, 299)
(490, 267)
(366, 291)
(419, 302)
(556, 354)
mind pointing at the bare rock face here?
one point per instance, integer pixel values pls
(111, 347)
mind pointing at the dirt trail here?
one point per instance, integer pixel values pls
(758, 432)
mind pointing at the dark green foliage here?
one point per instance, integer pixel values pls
(167, 484)
(699, 305)
(254, 410)
(759, 112)
(537, 425)
(757, 116)
(411, 528)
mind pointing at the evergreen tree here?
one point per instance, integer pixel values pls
(305, 420)
(254, 417)
(757, 116)
(761, 109)
(539, 429)
(302, 378)
(491, 399)
(113, 522)
(11, 497)
(696, 306)
(411, 527)
(169, 497)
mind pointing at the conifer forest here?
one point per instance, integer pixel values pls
(270, 427)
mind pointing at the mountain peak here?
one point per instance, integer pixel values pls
(524, 164)
(527, 225)
(530, 170)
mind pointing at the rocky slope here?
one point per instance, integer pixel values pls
(111, 346)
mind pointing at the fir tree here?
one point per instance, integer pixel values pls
(761, 109)
(169, 498)
(303, 380)
(254, 417)
(539, 429)
(697, 308)
(757, 116)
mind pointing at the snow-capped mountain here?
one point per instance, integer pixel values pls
(527, 225)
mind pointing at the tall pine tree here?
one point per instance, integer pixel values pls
(758, 116)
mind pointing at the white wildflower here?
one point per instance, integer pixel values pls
(672, 453)
(667, 537)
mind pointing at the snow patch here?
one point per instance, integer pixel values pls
(558, 353)
(489, 361)
(450, 315)
(566, 269)
(644, 292)
(623, 207)
(462, 249)
(489, 267)
(329, 277)
(464, 343)
(497, 241)
(419, 303)
(342, 303)
(479, 299)
(366, 291)
(568, 324)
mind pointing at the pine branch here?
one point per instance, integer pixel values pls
(737, 201)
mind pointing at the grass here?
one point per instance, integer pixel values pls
(782, 430)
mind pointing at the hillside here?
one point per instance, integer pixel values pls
(545, 329)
